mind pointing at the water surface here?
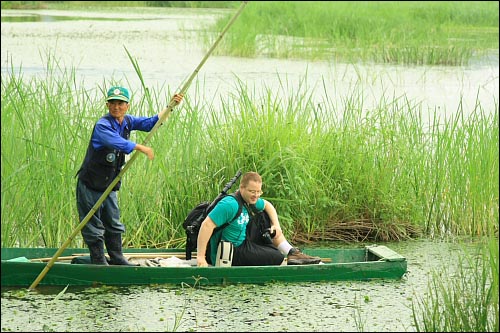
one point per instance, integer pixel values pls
(167, 44)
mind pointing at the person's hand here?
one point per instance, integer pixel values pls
(178, 98)
(149, 153)
(146, 150)
(202, 262)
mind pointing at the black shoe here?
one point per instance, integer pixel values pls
(296, 257)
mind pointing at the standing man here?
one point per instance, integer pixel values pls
(247, 252)
(103, 161)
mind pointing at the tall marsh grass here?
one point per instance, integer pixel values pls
(396, 32)
(335, 172)
(465, 300)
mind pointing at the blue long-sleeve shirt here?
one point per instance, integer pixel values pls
(106, 136)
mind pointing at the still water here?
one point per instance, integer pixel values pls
(376, 306)
(167, 47)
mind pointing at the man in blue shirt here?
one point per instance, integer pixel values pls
(103, 161)
(247, 252)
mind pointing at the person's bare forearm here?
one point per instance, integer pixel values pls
(206, 230)
(146, 150)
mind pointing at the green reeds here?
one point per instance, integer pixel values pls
(335, 170)
(465, 300)
(41, 126)
(420, 33)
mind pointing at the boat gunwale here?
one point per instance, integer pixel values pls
(62, 273)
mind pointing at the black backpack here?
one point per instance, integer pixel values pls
(192, 222)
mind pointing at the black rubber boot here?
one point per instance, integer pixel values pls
(97, 253)
(114, 247)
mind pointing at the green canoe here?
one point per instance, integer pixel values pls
(21, 266)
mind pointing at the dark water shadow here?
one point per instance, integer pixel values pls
(57, 18)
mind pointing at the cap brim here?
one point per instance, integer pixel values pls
(120, 98)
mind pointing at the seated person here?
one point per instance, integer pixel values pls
(249, 249)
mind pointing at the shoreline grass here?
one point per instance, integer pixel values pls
(381, 174)
(450, 33)
(465, 300)
(394, 32)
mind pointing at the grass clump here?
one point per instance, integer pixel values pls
(334, 169)
(412, 32)
(465, 300)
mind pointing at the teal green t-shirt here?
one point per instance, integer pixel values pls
(235, 232)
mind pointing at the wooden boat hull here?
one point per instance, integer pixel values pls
(370, 262)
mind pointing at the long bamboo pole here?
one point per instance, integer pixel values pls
(160, 121)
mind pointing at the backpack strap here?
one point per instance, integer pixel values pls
(259, 222)
(217, 233)
(239, 199)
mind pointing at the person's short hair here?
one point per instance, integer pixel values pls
(250, 176)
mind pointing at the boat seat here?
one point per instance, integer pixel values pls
(385, 253)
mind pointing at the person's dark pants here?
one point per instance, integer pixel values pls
(104, 227)
(106, 218)
(253, 254)
(254, 251)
